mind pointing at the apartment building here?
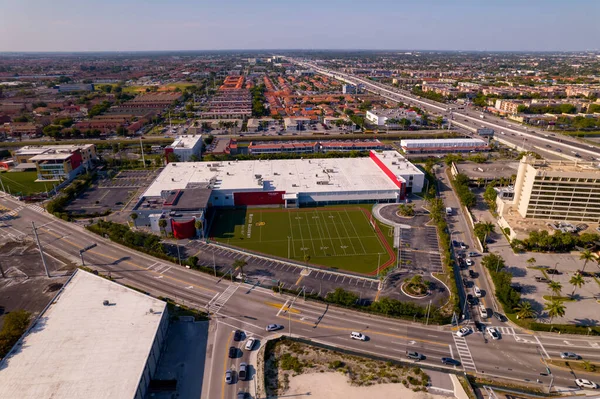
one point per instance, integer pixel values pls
(558, 190)
(509, 106)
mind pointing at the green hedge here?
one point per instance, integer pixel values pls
(566, 328)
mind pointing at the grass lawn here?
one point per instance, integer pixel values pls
(23, 183)
(336, 237)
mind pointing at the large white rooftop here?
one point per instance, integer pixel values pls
(80, 348)
(289, 175)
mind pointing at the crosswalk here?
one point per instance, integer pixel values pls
(506, 330)
(464, 353)
(7, 213)
(216, 304)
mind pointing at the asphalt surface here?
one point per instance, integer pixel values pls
(516, 356)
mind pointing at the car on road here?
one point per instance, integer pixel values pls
(242, 395)
(229, 377)
(477, 291)
(499, 316)
(232, 352)
(471, 300)
(583, 383)
(237, 335)
(553, 271)
(250, 343)
(358, 336)
(469, 262)
(414, 355)
(463, 332)
(541, 279)
(569, 355)
(495, 334)
(449, 361)
(274, 327)
(243, 371)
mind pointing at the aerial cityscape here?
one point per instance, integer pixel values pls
(284, 200)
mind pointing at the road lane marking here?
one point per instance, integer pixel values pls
(225, 365)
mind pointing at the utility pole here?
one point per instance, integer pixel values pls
(178, 253)
(214, 264)
(37, 239)
(142, 148)
(428, 309)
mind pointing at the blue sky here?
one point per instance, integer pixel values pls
(129, 25)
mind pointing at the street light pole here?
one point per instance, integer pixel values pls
(37, 239)
(214, 264)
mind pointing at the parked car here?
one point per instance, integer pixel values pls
(274, 327)
(472, 274)
(541, 279)
(237, 335)
(469, 262)
(463, 332)
(358, 336)
(569, 355)
(250, 343)
(473, 254)
(583, 383)
(243, 371)
(229, 377)
(449, 361)
(232, 352)
(477, 291)
(471, 300)
(553, 271)
(463, 245)
(242, 395)
(495, 334)
(414, 355)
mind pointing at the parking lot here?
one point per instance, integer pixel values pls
(270, 272)
(111, 194)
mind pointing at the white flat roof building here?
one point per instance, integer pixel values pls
(81, 348)
(186, 146)
(443, 145)
(314, 180)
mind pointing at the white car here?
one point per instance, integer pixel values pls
(469, 262)
(358, 336)
(493, 333)
(463, 331)
(477, 291)
(250, 343)
(581, 383)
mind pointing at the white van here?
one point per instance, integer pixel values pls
(448, 211)
(483, 311)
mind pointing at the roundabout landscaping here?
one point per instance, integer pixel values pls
(415, 287)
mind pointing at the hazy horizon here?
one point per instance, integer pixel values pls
(381, 25)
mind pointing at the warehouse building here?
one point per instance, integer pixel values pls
(96, 339)
(437, 146)
(384, 176)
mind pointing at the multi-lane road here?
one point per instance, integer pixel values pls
(516, 356)
(470, 119)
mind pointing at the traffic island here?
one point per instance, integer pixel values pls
(415, 287)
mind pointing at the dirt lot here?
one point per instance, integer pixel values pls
(287, 360)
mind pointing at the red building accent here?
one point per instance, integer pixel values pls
(183, 229)
(167, 152)
(76, 159)
(389, 173)
(259, 198)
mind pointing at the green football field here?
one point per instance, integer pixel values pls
(338, 237)
(23, 183)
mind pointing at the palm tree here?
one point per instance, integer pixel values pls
(133, 216)
(576, 281)
(239, 264)
(555, 309)
(555, 287)
(162, 223)
(586, 256)
(524, 310)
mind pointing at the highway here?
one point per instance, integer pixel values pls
(568, 145)
(516, 356)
